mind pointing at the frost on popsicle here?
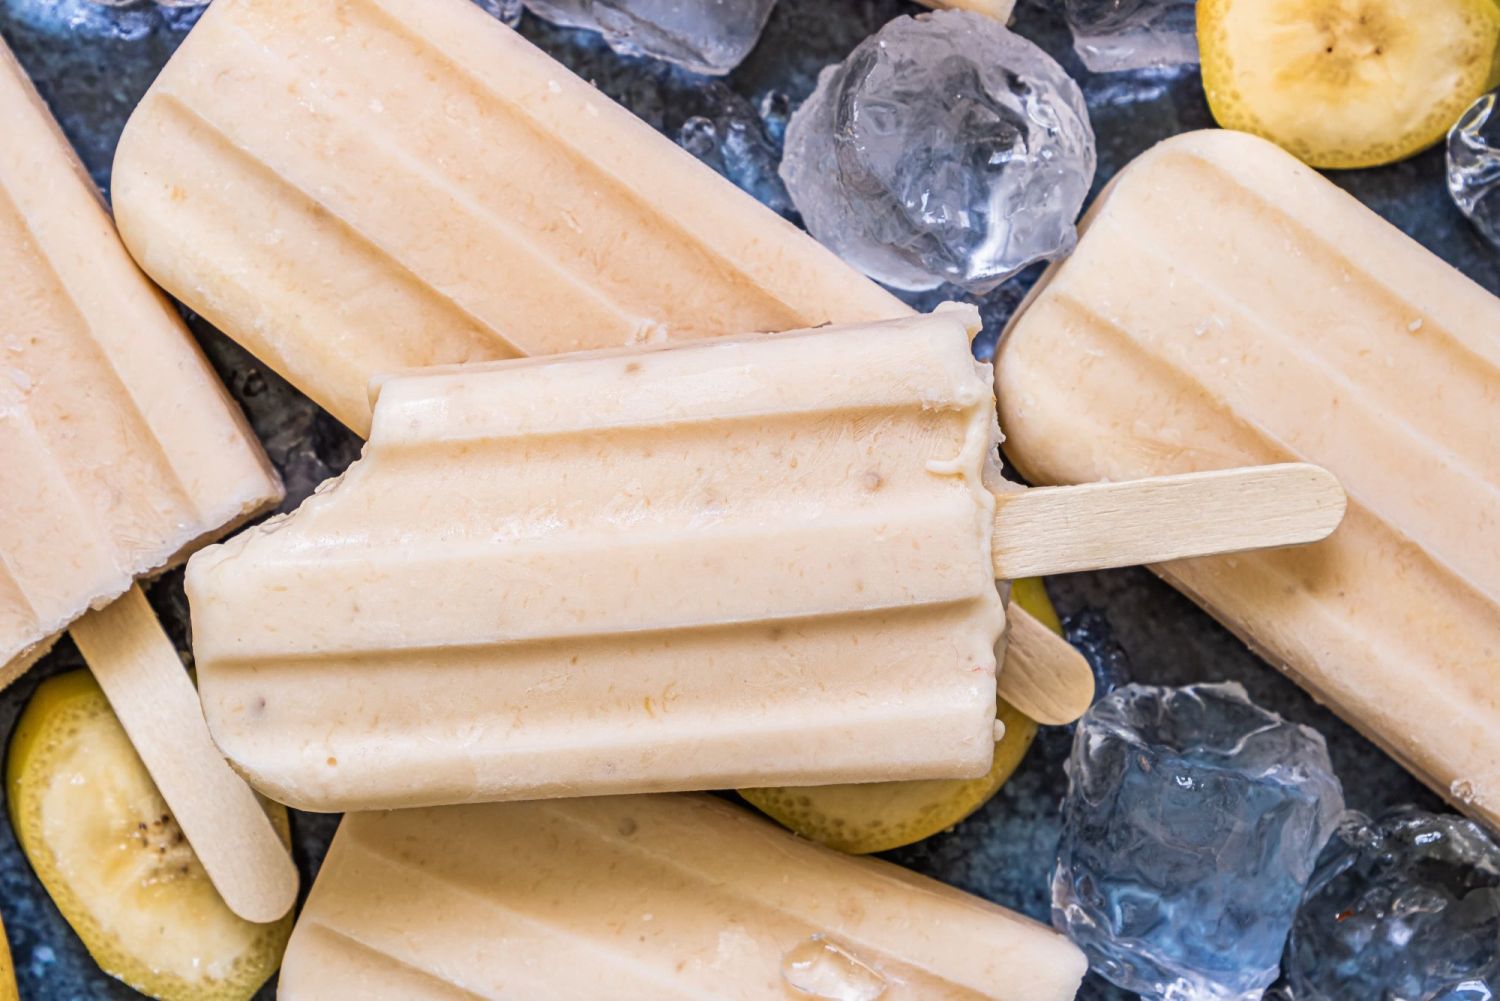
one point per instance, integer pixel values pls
(1192, 823)
(819, 969)
(1474, 166)
(706, 36)
(944, 149)
(1407, 906)
(1113, 35)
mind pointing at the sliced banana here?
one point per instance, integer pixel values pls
(105, 846)
(878, 816)
(8, 991)
(1347, 83)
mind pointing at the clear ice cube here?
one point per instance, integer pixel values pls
(944, 149)
(738, 146)
(1474, 166)
(1192, 823)
(505, 11)
(1406, 908)
(147, 3)
(1114, 35)
(1090, 633)
(706, 36)
(123, 20)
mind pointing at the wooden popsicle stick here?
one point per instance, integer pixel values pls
(137, 666)
(1043, 676)
(1052, 530)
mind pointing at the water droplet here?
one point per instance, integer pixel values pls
(818, 968)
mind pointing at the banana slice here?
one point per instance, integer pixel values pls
(116, 864)
(878, 816)
(8, 991)
(1347, 83)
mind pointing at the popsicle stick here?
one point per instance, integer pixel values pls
(137, 667)
(1043, 676)
(1054, 530)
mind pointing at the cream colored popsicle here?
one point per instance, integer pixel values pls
(430, 188)
(120, 453)
(740, 563)
(532, 216)
(645, 898)
(1229, 305)
(120, 449)
(730, 563)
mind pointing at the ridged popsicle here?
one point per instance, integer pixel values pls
(645, 898)
(120, 452)
(119, 449)
(737, 562)
(531, 216)
(431, 188)
(1228, 305)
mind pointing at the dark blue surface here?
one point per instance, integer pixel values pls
(93, 72)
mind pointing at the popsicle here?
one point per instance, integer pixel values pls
(645, 898)
(1229, 305)
(121, 452)
(532, 216)
(727, 563)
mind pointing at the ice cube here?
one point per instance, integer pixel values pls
(1406, 907)
(1113, 35)
(1089, 631)
(145, 3)
(706, 36)
(944, 149)
(122, 20)
(738, 146)
(1192, 823)
(506, 11)
(1474, 166)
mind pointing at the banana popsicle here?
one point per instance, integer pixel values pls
(120, 449)
(531, 216)
(727, 563)
(121, 452)
(430, 188)
(1227, 305)
(645, 898)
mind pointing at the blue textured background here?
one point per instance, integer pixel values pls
(93, 66)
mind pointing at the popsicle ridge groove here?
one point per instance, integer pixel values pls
(1471, 554)
(719, 262)
(303, 192)
(228, 274)
(21, 253)
(529, 224)
(1468, 372)
(787, 313)
(392, 968)
(786, 564)
(1333, 324)
(1276, 577)
(49, 496)
(1429, 354)
(645, 872)
(335, 124)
